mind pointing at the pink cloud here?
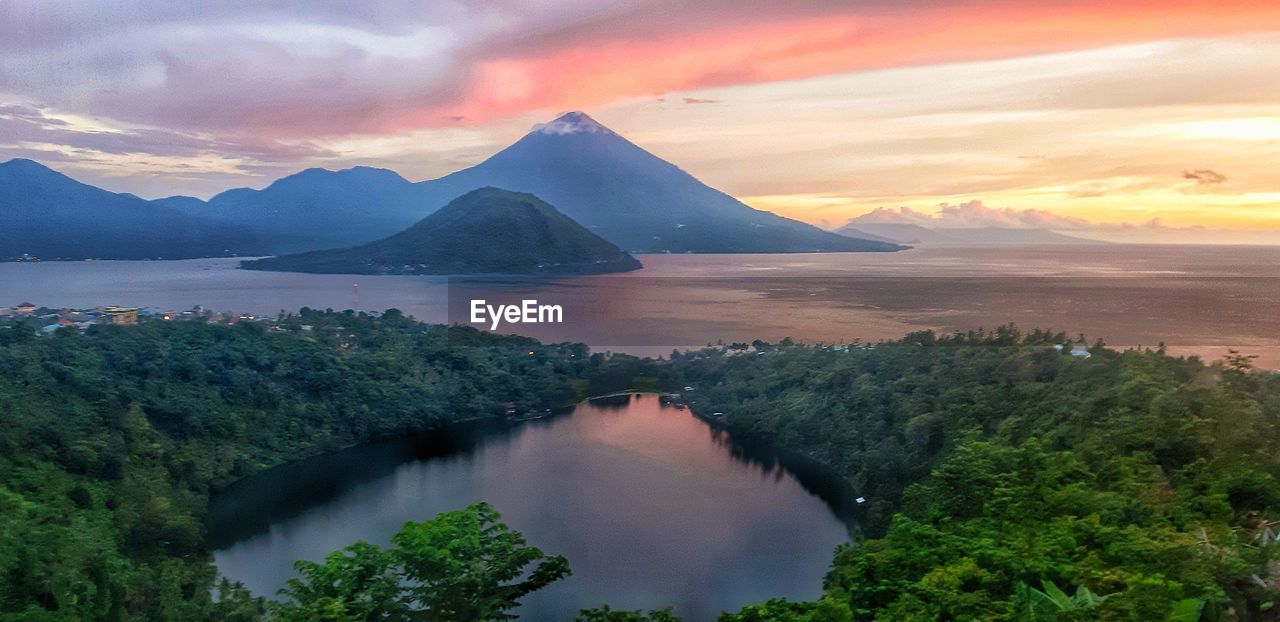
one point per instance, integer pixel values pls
(243, 68)
(973, 214)
(698, 48)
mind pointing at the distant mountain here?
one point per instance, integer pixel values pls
(183, 203)
(914, 235)
(853, 232)
(484, 231)
(996, 236)
(917, 235)
(318, 208)
(634, 199)
(609, 185)
(46, 214)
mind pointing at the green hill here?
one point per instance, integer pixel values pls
(485, 231)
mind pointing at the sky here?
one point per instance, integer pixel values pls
(1129, 116)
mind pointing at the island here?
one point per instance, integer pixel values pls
(485, 231)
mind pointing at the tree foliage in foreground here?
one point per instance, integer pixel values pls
(463, 566)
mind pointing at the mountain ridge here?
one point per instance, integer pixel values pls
(50, 215)
(319, 208)
(593, 175)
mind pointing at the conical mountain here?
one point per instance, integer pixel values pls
(46, 214)
(595, 176)
(633, 198)
(485, 231)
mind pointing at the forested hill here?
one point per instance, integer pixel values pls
(999, 470)
(485, 231)
(114, 439)
(1005, 479)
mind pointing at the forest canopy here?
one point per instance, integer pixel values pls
(1002, 474)
(1005, 479)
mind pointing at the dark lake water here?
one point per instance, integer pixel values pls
(651, 506)
(1196, 299)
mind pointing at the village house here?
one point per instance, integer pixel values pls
(121, 316)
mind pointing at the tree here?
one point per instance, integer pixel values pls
(781, 610)
(466, 565)
(462, 566)
(356, 583)
(605, 614)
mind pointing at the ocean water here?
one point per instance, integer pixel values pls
(1196, 299)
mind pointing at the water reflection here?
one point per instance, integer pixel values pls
(251, 506)
(817, 479)
(651, 506)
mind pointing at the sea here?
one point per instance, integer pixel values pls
(1196, 300)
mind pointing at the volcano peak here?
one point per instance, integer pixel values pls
(575, 122)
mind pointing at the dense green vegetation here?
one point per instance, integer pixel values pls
(1005, 479)
(459, 567)
(1002, 474)
(114, 439)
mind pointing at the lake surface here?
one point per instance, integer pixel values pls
(651, 506)
(1196, 299)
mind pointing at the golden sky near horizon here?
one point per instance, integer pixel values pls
(1115, 112)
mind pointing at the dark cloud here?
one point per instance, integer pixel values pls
(326, 68)
(1204, 176)
(305, 70)
(546, 27)
(26, 124)
(49, 24)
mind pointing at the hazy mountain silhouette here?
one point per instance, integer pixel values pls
(604, 182)
(854, 232)
(917, 235)
(46, 214)
(318, 208)
(489, 230)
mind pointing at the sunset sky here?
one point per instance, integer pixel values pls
(1114, 112)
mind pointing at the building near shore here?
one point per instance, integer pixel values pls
(121, 316)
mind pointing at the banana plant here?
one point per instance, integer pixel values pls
(1053, 604)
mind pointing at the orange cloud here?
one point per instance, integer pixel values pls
(312, 72)
(600, 70)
